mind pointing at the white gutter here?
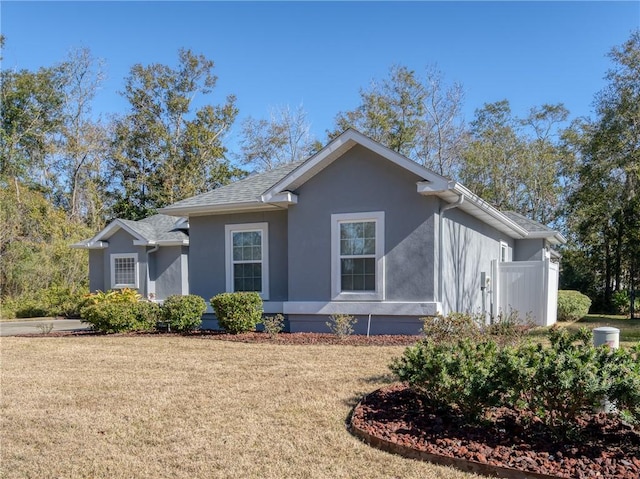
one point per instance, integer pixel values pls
(443, 209)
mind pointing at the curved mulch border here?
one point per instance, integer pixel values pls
(461, 464)
(388, 419)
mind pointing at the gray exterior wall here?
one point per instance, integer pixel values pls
(361, 181)
(122, 242)
(469, 247)
(96, 270)
(378, 325)
(529, 250)
(207, 275)
(166, 271)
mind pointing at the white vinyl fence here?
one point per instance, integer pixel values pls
(528, 287)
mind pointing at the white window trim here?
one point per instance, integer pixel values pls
(228, 252)
(336, 293)
(113, 258)
(503, 247)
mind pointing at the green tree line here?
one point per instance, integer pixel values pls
(65, 172)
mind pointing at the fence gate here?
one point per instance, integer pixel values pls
(528, 287)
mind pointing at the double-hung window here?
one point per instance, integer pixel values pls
(124, 270)
(246, 251)
(357, 256)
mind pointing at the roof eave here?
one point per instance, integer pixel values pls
(201, 210)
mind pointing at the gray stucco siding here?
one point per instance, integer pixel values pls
(379, 324)
(121, 242)
(207, 269)
(363, 182)
(166, 271)
(96, 270)
(469, 247)
(529, 250)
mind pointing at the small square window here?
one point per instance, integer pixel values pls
(124, 270)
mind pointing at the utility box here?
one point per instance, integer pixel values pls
(606, 335)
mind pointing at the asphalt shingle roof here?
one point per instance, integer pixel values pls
(248, 189)
(157, 228)
(528, 224)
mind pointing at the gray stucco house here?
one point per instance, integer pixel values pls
(150, 255)
(362, 230)
(356, 229)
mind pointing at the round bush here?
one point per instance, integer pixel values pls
(572, 305)
(238, 312)
(183, 313)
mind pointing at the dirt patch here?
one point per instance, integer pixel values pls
(606, 447)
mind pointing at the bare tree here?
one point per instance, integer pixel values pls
(284, 138)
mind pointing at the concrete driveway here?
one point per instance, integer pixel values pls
(37, 326)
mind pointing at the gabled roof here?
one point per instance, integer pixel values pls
(162, 230)
(275, 189)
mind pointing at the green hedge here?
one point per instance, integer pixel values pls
(238, 312)
(572, 305)
(183, 313)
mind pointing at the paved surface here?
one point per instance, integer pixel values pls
(12, 328)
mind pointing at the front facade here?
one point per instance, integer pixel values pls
(359, 229)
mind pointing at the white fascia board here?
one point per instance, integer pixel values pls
(553, 236)
(114, 226)
(428, 188)
(284, 198)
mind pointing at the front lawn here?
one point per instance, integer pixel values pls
(187, 407)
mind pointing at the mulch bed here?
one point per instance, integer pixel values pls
(260, 337)
(395, 419)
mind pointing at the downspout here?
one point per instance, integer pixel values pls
(151, 294)
(443, 209)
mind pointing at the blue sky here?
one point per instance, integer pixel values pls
(320, 54)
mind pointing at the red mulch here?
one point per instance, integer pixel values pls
(607, 448)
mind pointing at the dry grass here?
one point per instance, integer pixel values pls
(173, 407)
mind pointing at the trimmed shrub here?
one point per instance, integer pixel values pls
(341, 324)
(183, 313)
(238, 312)
(560, 382)
(572, 305)
(453, 376)
(109, 317)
